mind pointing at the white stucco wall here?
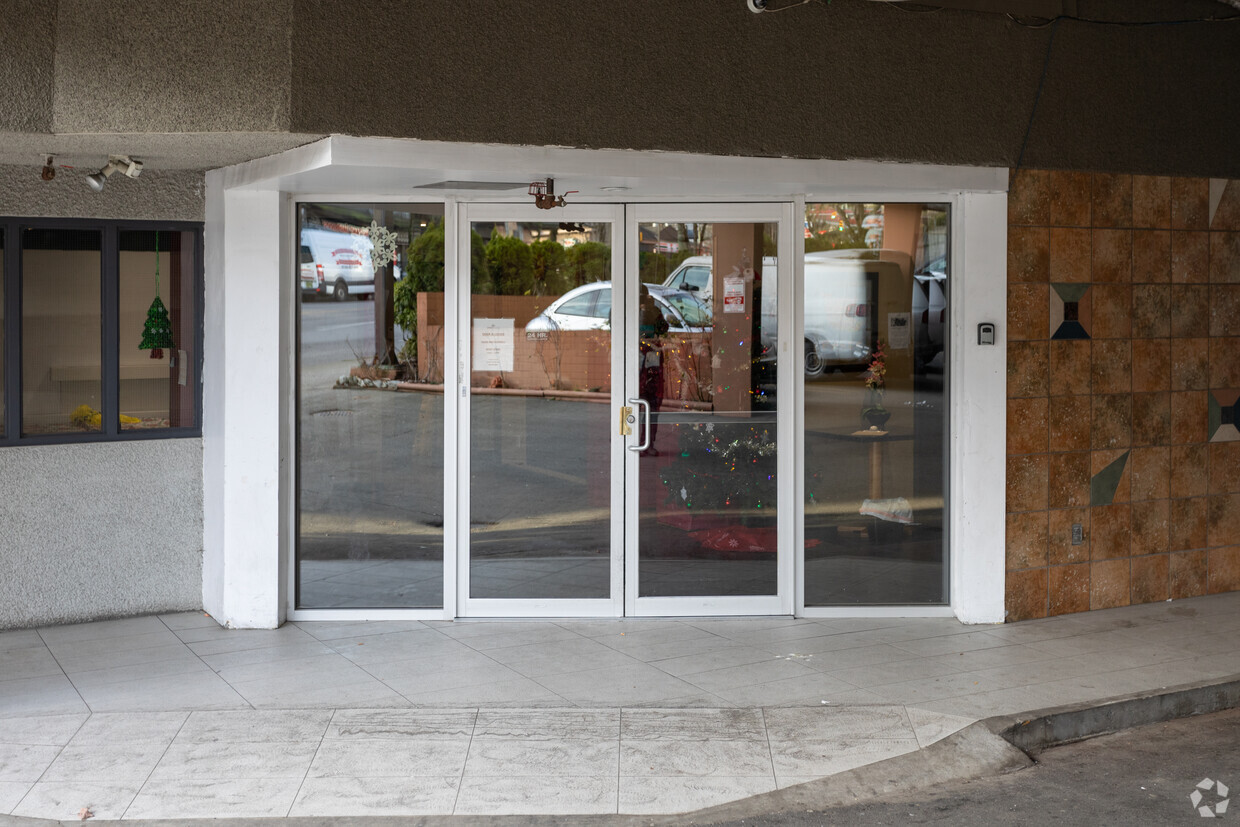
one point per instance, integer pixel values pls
(99, 530)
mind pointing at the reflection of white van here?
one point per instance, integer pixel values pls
(837, 312)
(335, 264)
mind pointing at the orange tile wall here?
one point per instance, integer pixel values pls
(1163, 315)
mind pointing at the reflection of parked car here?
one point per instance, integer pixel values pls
(335, 264)
(589, 308)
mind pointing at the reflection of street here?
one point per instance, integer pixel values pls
(371, 471)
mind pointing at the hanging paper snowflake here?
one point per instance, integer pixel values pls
(157, 333)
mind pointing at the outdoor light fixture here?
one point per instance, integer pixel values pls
(49, 171)
(116, 163)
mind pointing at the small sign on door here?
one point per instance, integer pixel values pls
(734, 294)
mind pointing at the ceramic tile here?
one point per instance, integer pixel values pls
(401, 724)
(1150, 527)
(63, 800)
(389, 757)
(617, 686)
(1109, 584)
(703, 758)
(1069, 367)
(749, 674)
(683, 794)
(214, 798)
(1188, 524)
(1111, 530)
(119, 763)
(513, 758)
(1070, 196)
(1111, 421)
(1151, 473)
(790, 691)
(1028, 254)
(1112, 311)
(175, 692)
(1224, 366)
(1069, 588)
(1069, 479)
(1029, 197)
(1150, 579)
(845, 723)
(1026, 540)
(1069, 423)
(1027, 315)
(806, 758)
(1151, 419)
(1190, 257)
(1027, 481)
(11, 792)
(1151, 201)
(1189, 420)
(1151, 311)
(1190, 203)
(1027, 369)
(1151, 257)
(1112, 200)
(537, 796)
(1069, 255)
(246, 726)
(516, 692)
(44, 695)
(27, 662)
(1112, 256)
(671, 725)
(340, 797)
(25, 763)
(106, 728)
(103, 630)
(1027, 426)
(1225, 256)
(1025, 594)
(215, 759)
(1223, 565)
(530, 725)
(48, 730)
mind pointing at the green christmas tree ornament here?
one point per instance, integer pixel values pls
(157, 332)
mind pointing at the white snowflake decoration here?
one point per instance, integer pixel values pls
(384, 245)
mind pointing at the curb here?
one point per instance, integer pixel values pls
(1051, 727)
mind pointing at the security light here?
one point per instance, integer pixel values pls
(116, 163)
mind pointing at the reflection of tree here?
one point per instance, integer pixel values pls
(431, 371)
(688, 360)
(837, 226)
(549, 345)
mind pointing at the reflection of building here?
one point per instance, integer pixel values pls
(1104, 433)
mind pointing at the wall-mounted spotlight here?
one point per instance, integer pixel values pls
(49, 171)
(756, 6)
(116, 163)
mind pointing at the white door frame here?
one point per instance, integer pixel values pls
(466, 606)
(789, 379)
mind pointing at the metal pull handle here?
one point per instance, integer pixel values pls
(642, 403)
(626, 420)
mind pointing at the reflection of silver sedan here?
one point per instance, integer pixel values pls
(589, 308)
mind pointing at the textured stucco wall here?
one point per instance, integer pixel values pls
(166, 196)
(849, 79)
(93, 531)
(27, 36)
(155, 66)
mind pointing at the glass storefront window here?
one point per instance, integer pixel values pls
(2, 394)
(61, 331)
(157, 364)
(876, 320)
(370, 406)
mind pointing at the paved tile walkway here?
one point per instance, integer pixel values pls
(172, 716)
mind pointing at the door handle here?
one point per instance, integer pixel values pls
(626, 420)
(642, 403)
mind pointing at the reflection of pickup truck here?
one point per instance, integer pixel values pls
(335, 264)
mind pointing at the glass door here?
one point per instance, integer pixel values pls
(542, 451)
(708, 465)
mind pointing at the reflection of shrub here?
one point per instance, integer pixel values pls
(589, 262)
(511, 265)
(549, 271)
(424, 274)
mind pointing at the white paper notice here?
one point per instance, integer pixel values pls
(899, 326)
(493, 344)
(734, 294)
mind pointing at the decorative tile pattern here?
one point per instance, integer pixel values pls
(1223, 409)
(1071, 314)
(1114, 401)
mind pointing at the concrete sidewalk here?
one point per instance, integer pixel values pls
(174, 717)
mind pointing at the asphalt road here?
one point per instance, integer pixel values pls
(1138, 777)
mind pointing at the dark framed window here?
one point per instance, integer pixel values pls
(100, 330)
